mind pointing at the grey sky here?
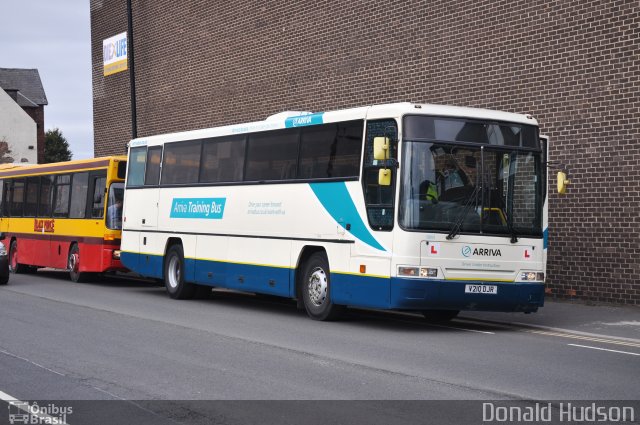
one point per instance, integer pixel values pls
(54, 37)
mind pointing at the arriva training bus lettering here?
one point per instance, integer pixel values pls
(197, 208)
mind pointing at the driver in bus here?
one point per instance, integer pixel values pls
(429, 188)
(114, 214)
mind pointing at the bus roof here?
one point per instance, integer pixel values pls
(298, 118)
(14, 170)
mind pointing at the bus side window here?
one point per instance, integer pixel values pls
(31, 201)
(61, 200)
(272, 155)
(46, 196)
(1, 198)
(222, 159)
(137, 161)
(330, 150)
(181, 162)
(152, 172)
(6, 205)
(17, 198)
(79, 187)
(97, 204)
(379, 199)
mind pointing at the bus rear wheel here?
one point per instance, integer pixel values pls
(315, 286)
(174, 281)
(73, 264)
(440, 315)
(14, 266)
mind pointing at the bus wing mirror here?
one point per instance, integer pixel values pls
(384, 177)
(563, 182)
(380, 148)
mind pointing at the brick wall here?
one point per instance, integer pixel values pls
(111, 96)
(574, 65)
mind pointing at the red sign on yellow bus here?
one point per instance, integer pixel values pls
(46, 226)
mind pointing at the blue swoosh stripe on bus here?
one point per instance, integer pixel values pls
(545, 238)
(335, 198)
(303, 120)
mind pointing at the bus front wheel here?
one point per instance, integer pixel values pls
(73, 264)
(316, 289)
(14, 266)
(174, 281)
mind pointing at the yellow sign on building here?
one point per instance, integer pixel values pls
(114, 54)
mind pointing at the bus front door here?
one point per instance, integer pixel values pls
(149, 241)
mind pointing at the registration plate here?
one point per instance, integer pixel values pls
(480, 289)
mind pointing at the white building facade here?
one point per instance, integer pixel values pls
(18, 133)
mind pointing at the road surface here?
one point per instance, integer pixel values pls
(124, 339)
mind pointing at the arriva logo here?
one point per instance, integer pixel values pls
(311, 119)
(480, 252)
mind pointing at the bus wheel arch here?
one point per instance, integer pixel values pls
(313, 285)
(173, 271)
(170, 242)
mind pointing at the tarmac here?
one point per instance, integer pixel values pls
(579, 317)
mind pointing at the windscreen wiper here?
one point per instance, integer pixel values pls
(512, 230)
(467, 207)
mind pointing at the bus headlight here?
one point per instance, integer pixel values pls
(532, 276)
(409, 271)
(116, 255)
(428, 272)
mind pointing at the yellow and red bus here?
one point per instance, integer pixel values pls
(64, 215)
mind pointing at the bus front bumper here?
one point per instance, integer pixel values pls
(424, 294)
(111, 260)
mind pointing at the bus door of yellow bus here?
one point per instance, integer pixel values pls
(149, 216)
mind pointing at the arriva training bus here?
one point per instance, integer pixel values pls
(415, 207)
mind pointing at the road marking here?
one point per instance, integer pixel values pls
(623, 323)
(29, 361)
(584, 338)
(557, 332)
(30, 409)
(108, 393)
(437, 325)
(604, 349)
(460, 329)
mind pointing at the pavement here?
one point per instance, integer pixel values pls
(579, 317)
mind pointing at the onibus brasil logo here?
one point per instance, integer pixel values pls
(21, 412)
